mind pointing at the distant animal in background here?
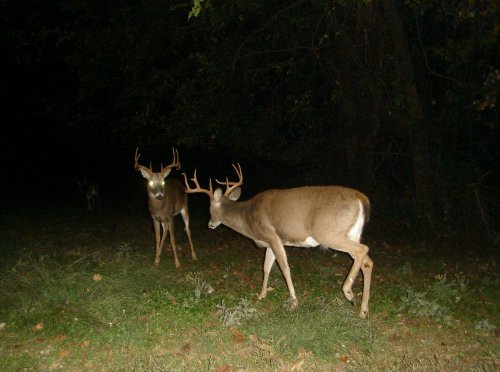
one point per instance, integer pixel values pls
(166, 199)
(90, 190)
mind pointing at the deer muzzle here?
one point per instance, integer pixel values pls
(213, 225)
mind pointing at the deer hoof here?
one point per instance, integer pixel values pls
(291, 304)
(363, 314)
(350, 297)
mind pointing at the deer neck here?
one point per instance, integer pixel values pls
(235, 215)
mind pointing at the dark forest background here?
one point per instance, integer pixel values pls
(395, 98)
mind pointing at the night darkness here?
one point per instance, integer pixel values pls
(85, 84)
(398, 100)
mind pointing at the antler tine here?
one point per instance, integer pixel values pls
(176, 158)
(209, 192)
(175, 162)
(230, 186)
(137, 166)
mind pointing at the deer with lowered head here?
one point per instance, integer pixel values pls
(166, 199)
(330, 216)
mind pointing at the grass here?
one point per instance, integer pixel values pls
(79, 292)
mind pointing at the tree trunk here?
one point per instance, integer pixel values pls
(413, 118)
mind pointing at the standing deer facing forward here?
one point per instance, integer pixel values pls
(330, 216)
(166, 199)
(91, 192)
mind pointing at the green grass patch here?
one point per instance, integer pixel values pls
(81, 294)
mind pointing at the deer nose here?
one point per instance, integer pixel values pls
(159, 197)
(213, 225)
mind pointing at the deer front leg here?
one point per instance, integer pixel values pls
(280, 254)
(185, 218)
(172, 241)
(268, 264)
(158, 241)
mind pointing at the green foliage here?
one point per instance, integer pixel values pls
(484, 324)
(439, 299)
(201, 287)
(236, 315)
(196, 8)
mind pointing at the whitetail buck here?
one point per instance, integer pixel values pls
(91, 192)
(166, 199)
(330, 216)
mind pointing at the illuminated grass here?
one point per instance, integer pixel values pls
(81, 294)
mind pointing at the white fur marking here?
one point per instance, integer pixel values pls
(308, 243)
(261, 244)
(356, 230)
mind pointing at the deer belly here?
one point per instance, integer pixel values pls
(309, 242)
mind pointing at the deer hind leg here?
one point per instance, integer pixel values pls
(366, 268)
(359, 253)
(185, 218)
(268, 264)
(280, 254)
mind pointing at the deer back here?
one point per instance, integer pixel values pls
(296, 214)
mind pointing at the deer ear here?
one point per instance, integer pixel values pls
(145, 173)
(166, 173)
(217, 195)
(235, 194)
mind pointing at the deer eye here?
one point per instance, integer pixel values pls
(151, 183)
(163, 183)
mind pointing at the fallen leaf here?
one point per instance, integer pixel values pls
(46, 351)
(63, 353)
(72, 252)
(395, 337)
(186, 348)
(236, 334)
(96, 277)
(37, 327)
(305, 353)
(344, 359)
(297, 366)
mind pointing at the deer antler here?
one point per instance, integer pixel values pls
(230, 186)
(209, 192)
(175, 162)
(137, 166)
